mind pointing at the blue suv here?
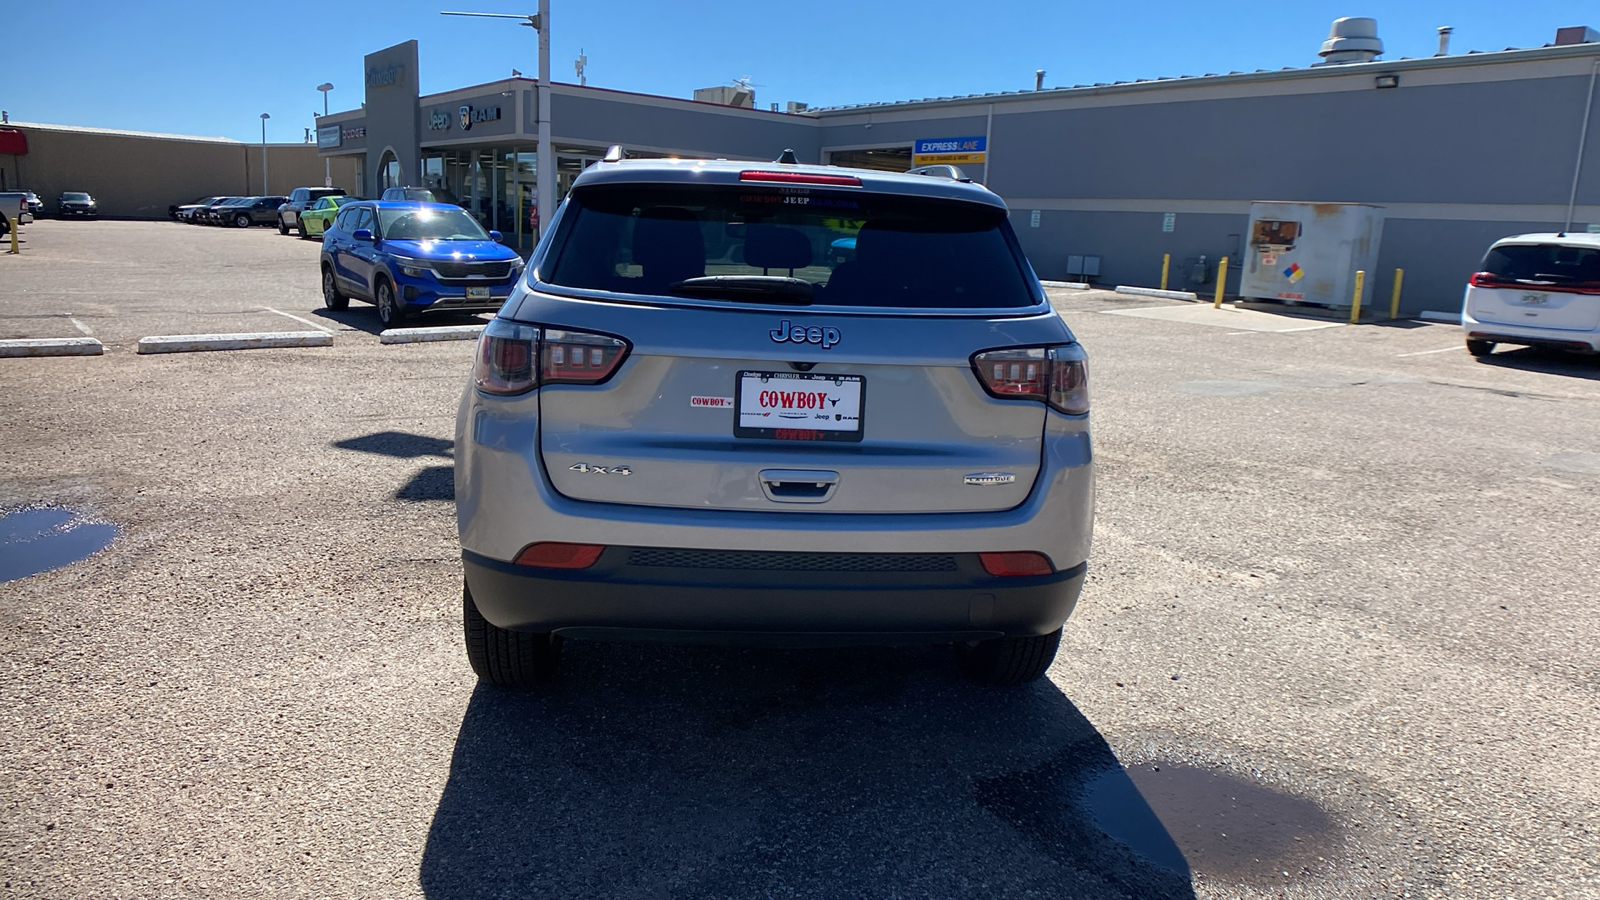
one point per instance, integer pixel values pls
(409, 258)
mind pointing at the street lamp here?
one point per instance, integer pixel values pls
(327, 162)
(546, 177)
(264, 118)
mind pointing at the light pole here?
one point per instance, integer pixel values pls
(264, 118)
(327, 162)
(546, 173)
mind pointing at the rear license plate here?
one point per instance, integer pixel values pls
(477, 293)
(799, 406)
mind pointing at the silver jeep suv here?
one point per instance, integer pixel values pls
(774, 403)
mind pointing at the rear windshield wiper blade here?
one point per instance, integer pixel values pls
(757, 288)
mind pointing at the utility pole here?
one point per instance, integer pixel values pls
(327, 163)
(264, 118)
(545, 181)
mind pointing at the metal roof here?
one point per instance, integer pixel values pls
(1470, 58)
(121, 132)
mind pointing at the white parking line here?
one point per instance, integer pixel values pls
(298, 319)
(1426, 352)
(1311, 327)
(80, 326)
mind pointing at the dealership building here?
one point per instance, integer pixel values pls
(1103, 180)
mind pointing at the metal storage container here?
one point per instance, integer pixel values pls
(1309, 252)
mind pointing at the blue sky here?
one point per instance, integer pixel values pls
(212, 68)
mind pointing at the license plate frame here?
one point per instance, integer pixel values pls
(811, 427)
(478, 293)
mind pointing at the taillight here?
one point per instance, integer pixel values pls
(1484, 279)
(1016, 563)
(505, 363)
(557, 555)
(576, 357)
(800, 178)
(508, 351)
(1056, 375)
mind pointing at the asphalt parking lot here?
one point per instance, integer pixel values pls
(1338, 640)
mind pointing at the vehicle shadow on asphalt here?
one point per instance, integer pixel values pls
(363, 317)
(1551, 362)
(433, 483)
(711, 771)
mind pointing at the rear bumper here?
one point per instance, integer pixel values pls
(620, 598)
(1582, 341)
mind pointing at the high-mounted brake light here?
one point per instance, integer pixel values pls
(800, 178)
(1056, 375)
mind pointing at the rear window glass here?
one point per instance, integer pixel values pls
(789, 244)
(1550, 263)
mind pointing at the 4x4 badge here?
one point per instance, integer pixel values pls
(601, 470)
(799, 334)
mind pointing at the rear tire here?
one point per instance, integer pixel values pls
(331, 298)
(1480, 348)
(507, 659)
(282, 228)
(242, 220)
(1009, 661)
(300, 229)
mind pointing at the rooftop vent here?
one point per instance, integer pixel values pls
(1353, 39)
(727, 95)
(1577, 34)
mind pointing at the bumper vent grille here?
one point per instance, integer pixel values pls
(794, 562)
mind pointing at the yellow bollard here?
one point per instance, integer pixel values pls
(1222, 279)
(1355, 304)
(1166, 260)
(1394, 301)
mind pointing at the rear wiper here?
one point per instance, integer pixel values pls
(758, 288)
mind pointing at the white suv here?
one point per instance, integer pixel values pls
(1537, 290)
(691, 421)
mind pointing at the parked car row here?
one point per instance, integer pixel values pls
(239, 212)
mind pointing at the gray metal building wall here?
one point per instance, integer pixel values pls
(1462, 152)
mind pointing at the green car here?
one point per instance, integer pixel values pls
(314, 221)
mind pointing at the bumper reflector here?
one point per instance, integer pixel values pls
(555, 555)
(1017, 563)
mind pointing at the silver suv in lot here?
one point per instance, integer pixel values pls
(691, 421)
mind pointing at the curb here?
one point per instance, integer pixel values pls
(195, 343)
(78, 346)
(1157, 292)
(430, 335)
(1069, 285)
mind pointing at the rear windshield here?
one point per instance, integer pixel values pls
(429, 224)
(797, 245)
(1549, 263)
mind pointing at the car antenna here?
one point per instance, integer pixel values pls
(787, 157)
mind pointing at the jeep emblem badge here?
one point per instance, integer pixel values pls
(787, 333)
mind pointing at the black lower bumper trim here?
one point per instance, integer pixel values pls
(825, 606)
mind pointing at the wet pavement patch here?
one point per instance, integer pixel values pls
(38, 539)
(1226, 827)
